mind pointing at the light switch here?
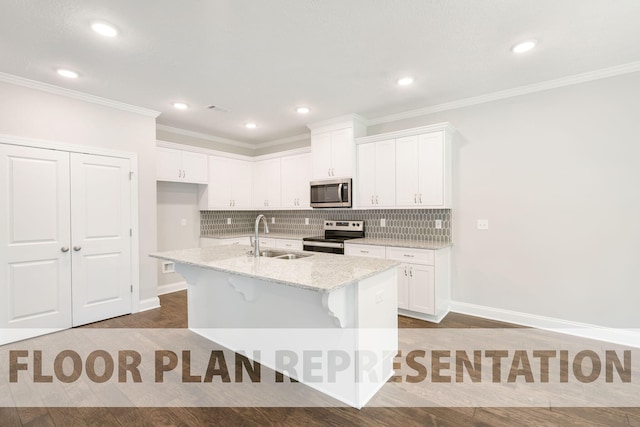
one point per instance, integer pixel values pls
(306, 221)
(383, 222)
(228, 221)
(483, 224)
(273, 220)
(438, 224)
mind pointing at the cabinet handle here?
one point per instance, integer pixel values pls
(184, 173)
(364, 252)
(415, 198)
(410, 271)
(377, 203)
(372, 199)
(408, 256)
(420, 197)
(64, 249)
(77, 248)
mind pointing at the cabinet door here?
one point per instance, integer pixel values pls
(194, 167)
(366, 175)
(385, 176)
(422, 288)
(218, 190)
(241, 184)
(431, 169)
(403, 286)
(342, 152)
(101, 240)
(266, 184)
(321, 155)
(35, 255)
(168, 165)
(407, 176)
(296, 174)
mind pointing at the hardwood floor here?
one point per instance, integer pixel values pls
(173, 314)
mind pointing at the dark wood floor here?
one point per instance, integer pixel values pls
(173, 314)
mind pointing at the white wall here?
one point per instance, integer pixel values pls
(35, 114)
(557, 174)
(177, 201)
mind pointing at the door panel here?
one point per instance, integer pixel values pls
(430, 155)
(406, 171)
(385, 175)
(35, 274)
(366, 174)
(422, 289)
(101, 222)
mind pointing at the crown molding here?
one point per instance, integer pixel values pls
(282, 141)
(74, 94)
(205, 136)
(603, 73)
(201, 150)
(446, 127)
(337, 121)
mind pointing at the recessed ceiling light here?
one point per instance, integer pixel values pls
(180, 105)
(250, 125)
(104, 29)
(524, 46)
(303, 110)
(67, 73)
(405, 81)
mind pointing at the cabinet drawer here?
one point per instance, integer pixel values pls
(294, 245)
(413, 256)
(267, 242)
(365, 251)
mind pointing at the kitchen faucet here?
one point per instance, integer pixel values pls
(256, 237)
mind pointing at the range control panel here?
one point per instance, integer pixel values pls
(344, 225)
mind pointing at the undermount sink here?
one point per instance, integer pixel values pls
(281, 255)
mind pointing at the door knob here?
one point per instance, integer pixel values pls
(64, 249)
(77, 248)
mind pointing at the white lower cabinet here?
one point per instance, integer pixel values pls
(423, 278)
(289, 244)
(214, 241)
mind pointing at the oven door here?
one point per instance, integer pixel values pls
(331, 194)
(327, 247)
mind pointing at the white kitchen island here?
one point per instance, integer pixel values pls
(328, 321)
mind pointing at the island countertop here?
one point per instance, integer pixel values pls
(319, 272)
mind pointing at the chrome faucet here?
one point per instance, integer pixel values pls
(256, 237)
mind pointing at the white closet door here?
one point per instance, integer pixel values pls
(101, 242)
(35, 260)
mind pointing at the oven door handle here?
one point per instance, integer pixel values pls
(323, 244)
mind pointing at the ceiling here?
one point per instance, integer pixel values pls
(261, 59)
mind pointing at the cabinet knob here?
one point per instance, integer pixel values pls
(64, 249)
(77, 248)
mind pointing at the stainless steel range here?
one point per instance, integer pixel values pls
(335, 234)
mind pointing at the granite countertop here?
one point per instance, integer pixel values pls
(400, 243)
(319, 272)
(263, 235)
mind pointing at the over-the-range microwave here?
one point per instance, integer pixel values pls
(331, 193)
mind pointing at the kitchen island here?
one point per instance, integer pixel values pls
(334, 317)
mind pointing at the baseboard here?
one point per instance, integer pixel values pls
(149, 304)
(628, 337)
(172, 287)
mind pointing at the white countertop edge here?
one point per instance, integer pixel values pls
(391, 265)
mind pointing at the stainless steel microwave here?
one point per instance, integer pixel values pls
(331, 193)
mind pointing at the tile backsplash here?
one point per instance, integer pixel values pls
(409, 224)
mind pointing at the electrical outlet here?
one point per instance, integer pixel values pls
(273, 220)
(383, 222)
(483, 224)
(183, 222)
(438, 223)
(168, 267)
(306, 221)
(228, 221)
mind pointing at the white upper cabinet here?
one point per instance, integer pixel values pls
(332, 147)
(229, 185)
(377, 174)
(421, 171)
(419, 168)
(266, 184)
(295, 175)
(181, 166)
